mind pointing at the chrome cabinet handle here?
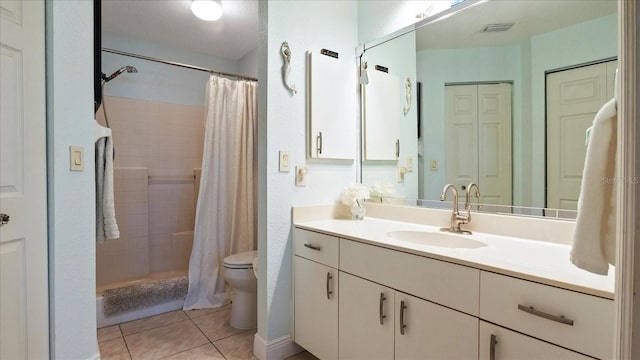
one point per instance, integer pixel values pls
(382, 315)
(329, 292)
(319, 143)
(312, 247)
(492, 347)
(4, 219)
(561, 319)
(397, 148)
(402, 324)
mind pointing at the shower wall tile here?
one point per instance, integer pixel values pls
(167, 139)
(127, 257)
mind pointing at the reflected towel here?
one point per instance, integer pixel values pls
(106, 225)
(594, 239)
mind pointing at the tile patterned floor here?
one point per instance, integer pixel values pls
(180, 335)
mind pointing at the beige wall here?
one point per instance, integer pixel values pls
(157, 147)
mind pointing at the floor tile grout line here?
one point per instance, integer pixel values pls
(125, 343)
(210, 342)
(156, 327)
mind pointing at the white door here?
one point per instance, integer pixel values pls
(425, 330)
(461, 135)
(494, 143)
(478, 140)
(573, 99)
(24, 329)
(366, 319)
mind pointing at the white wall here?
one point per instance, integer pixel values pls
(379, 18)
(155, 81)
(305, 25)
(71, 208)
(248, 64)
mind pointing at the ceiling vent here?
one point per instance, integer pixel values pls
(497, 27)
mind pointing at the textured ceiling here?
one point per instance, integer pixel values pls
(170, 22)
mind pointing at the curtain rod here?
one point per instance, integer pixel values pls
(187, 66)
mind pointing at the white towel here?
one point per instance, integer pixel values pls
(106, 225)
(594, 240)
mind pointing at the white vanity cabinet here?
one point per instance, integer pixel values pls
(316, 289)
(573, 320)
(498, 343)
(366, 319)
(356, 300)
(425, 330)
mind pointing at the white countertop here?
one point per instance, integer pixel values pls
(539, 261)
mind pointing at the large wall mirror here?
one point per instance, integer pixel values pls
(501, 93)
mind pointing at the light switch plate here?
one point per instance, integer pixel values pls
(76, 158)
(285, 160)
(434, 165)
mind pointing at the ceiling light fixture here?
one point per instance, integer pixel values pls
(207, 10)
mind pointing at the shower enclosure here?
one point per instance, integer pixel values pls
(158, 150)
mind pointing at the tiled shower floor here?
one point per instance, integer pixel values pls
(194, 334)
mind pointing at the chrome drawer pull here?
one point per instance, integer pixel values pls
(542, 314)
(312, 247)
(329, 292)
(492, 347)
(402, 324)
(382, 315)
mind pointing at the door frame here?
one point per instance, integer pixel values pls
(627, 321)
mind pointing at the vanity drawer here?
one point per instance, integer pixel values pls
(316, 246)
(454, 286)
(577, 321)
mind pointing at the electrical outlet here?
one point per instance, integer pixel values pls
(285, 160)
(301, 176)
(401, 171)
(409, 163)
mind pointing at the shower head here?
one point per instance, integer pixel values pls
(129, 69)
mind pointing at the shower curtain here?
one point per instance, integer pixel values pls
(226, 207)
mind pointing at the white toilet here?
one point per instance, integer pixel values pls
(239, 273)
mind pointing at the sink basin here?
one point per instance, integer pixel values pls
(440, 239)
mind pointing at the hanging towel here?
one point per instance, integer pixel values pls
(594, 240)
(106, 225)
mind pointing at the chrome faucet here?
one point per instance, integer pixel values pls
(467, 204)
(456, 218)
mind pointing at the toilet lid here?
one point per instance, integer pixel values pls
(244, 259)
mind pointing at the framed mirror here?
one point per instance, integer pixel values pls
(507, 92)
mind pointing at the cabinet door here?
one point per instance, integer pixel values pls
(425, 330)
(382, 114)
(498, 343)
(366, 319)
(333, 107)
(316, 308)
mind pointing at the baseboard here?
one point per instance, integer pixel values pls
(94, 357)
(278, 349)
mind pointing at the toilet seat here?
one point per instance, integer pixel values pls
(242, 260)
